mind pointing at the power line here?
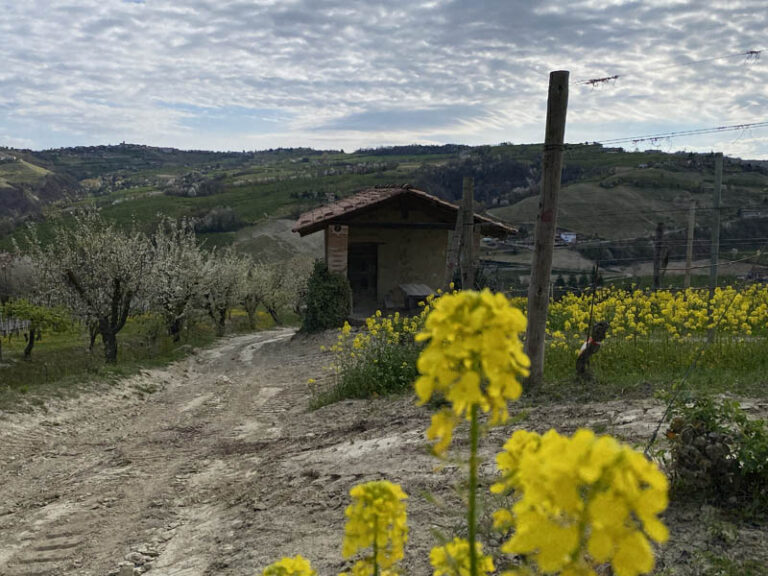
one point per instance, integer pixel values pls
(679, 133)
(680, 242)
(748, 55)
(563, 209)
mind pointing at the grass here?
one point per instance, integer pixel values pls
(625, 369)
(21, 172)
(722, 565)
(630, 203)
(62, 366)
(621, 370)
(383, 370)
(589, 209)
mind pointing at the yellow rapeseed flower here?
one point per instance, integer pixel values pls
(453, 559)
(376, 518)
(584, 500)
(365, 568)
(474, 356)
(297, 566)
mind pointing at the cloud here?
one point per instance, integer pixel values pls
(240, 74)
(404, 119)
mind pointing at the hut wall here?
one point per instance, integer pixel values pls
(405, 256)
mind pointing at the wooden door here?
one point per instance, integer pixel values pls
(362, 271)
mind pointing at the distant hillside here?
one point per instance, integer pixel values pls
(625, 204)
(26, 186)
(608, 193)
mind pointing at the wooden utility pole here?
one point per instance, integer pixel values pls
(546, 221)
(468, 234)
(716, 223)
(689, 245)
(658, 248)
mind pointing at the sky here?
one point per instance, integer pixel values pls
(331, 74)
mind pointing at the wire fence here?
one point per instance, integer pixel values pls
(13, 326)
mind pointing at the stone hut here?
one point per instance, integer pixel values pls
(391, 242)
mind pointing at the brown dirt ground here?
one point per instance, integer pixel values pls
(214, 465)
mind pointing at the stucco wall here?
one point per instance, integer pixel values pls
(405, 256)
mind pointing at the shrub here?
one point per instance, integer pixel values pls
(719, 455)
(329, 300)
(381, 359)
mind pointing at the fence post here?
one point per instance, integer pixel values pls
(715, 254)
(468, 263)
(689, 246)
(546, 221)
(716, 222)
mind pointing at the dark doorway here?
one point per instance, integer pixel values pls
(362, 271)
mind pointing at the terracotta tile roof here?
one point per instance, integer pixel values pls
(317, 218)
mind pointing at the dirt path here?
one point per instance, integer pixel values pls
(222, 470)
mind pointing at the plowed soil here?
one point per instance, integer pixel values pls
(214, 465)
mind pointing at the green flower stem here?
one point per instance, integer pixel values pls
(474, 433)
(375, 546)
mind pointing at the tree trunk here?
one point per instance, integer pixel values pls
(273, 313)
(175, 328)
(250, 305)
(221, 323)
(30, 341)
(93, 331)
(109, 338)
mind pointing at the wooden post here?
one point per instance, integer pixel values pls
(468, 234)
(715, 254)
(716, 223)
(658, 244)
(689, 246)
(546, 221)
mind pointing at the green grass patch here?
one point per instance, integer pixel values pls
(61, 365)
(721, 565)
(640, 369)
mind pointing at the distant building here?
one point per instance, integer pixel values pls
(749, 213)
(391, 242)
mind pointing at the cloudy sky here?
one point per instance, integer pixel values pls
(245, 74)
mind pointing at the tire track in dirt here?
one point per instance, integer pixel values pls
(113, 467)
(224, 470)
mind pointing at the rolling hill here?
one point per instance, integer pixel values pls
(608, 194)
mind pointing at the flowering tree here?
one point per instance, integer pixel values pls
(257, 278)
(17, 277)
(40, 318)
(95, 270)
(276, 286)
(223, 278)
(176, 273)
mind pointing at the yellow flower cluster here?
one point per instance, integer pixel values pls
(297, 566)
(584, 501)
(380, 330)
(453, 559)
(679, 315)
(474, 358)
(376, 518)
(365, 568)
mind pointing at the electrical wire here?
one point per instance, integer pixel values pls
(680, 133)
(748, 55)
